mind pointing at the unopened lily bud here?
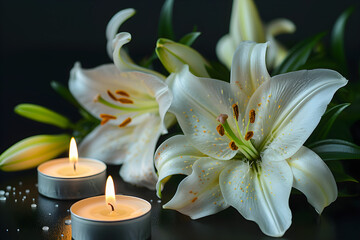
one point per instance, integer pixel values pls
(175, 55)
(32, 151)
(42, 114)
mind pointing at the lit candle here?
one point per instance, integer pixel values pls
(71, 178)
(110, 217)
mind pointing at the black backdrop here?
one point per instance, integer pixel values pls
(41, 40)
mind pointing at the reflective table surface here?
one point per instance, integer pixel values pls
(27, 215)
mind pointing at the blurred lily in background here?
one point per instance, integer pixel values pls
(246, 25)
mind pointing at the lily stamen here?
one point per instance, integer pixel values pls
(249, 135)
(122, 93)
(109, 116)
(125, 101)
(111, 95)
(104, 121)
(235, 108)
(220, 129)
(125, 122)
(252, 116)
(233, 146)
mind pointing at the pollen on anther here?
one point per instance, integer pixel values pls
(122, 93)
(111, 95)
(233, 146)
(104, 120)
(220, 129)
(125, 101)
(249, 135)
(109, 116)
(125, 122)
(235, 108)
(252, 116)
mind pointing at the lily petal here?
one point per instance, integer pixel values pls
(225, 49)
(175, 156)
(138, 166)
(277, 52)
(113, 26)
(108, 143)
(196, 111)
(248, 70)
(199, 194)
(313, 178)
(87, 85)
(245, 22)
(261, 196)
(288, 108)
(123, 62)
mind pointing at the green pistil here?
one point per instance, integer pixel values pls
(245, 147)
(148, 108)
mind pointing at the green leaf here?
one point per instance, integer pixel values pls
(189, 38)
(327, 121)
(343, 193)
(165, 21)
(338, 171)
(335, 149)
(298, 55)
(217, 70)
(42, 114)
(337, 38)
(66, 94)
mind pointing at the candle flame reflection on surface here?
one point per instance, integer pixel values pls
(73, 153)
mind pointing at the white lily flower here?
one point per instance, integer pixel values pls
(131, 106)
(243, 142)
(246, 25)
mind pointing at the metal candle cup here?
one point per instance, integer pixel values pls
(58, 180)
(111, 217)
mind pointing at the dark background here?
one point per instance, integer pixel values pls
(42, 39)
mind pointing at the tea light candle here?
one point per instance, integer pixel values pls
(111, 217)
(71, 178)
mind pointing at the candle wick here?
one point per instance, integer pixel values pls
(112, 207)
(75, 167)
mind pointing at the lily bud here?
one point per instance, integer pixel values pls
(42, 114)
(32, 151)
(175, 55)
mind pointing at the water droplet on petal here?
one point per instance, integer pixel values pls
(2, 198)
(67, 222)
(45, 228)
(2, 192)
(33, 205)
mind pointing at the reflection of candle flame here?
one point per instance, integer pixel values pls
(73, 153)
(110, 192)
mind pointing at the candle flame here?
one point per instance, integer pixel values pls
(110, 192)
(73, 153)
